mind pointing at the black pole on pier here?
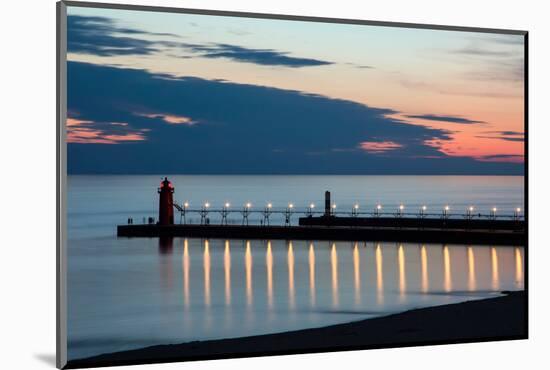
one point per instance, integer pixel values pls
(327, 203)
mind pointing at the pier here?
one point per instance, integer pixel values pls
(399, 226)
(334, 233)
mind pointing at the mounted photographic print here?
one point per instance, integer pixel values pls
(236, 184)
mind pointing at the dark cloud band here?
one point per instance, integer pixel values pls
(101, 36)
(239, 128)
(449, 119)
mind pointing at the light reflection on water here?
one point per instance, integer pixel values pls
(227, 271)
(447, 265)
(312, 274)
(494, 268)
(424, 261)
(471, 269)
(334, 268)
(450, 257)
(290, 259)
(205, 289)
(402, 277)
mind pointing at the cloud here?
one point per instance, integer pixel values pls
(510, 133)
(449, 119)
(475, 51)
(506, 70)
(415, 85)
(268, 57)
(244, 129)
(379, 146)
(513, 158)
(103, 37)
(518, 139)
(359, 66)
(494, 59)
(504, 135)
(100, 36)
(89, 132)
(169, 118)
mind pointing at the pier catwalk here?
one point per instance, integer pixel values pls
(329, 225)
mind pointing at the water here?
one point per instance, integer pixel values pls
(131, 293)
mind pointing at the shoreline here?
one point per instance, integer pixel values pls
(499, 318)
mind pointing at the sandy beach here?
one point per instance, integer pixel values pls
(498, 318)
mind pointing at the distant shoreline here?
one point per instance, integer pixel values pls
(498, 318)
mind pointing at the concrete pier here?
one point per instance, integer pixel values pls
(341, 233)
(415, 222)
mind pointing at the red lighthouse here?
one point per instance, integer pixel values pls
(166, 208)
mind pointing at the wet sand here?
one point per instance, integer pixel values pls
(499, 318)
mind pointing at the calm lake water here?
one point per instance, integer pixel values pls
(131, 293)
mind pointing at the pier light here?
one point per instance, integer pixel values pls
(310, 209)
(423, 211)
(469, 214)
(355, 210)
(334, 206)
(446, 211)
(186, 205)
(400, 210)
(245, 212)
(377, 210)
(494, 213)
(517, 212)
(204, 214)
(225, 212)
(267, 213)
(288, 213)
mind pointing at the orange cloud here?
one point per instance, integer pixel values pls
(77, 122)
(80, 132)
(379, 146)
(169, 118)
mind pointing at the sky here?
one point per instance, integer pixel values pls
(152, 92)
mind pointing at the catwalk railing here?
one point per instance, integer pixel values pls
(269, 215)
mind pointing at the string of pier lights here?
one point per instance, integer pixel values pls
(289, 210)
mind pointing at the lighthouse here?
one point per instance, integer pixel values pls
(166, 208)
